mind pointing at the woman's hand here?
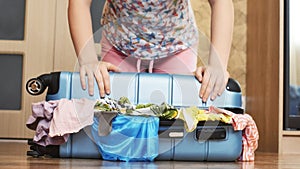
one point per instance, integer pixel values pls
(79, 17)
(99, 71)
(214, 76)
(214, 80)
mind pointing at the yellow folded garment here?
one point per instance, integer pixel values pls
(192, 115)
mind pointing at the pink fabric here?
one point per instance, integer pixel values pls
(250, 132)
(53, 121)
(42, 114)
(70, 116)
(184, 62)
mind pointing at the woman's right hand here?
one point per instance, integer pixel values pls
(79, 17)
(99, 71)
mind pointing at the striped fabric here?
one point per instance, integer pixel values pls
(250, 132)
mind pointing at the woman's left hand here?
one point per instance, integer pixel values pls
(214, 80)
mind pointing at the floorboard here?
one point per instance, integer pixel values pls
(13, 156)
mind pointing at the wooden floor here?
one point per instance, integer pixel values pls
(13, 155)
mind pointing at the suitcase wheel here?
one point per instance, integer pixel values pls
(35, 86)
(38, 150)
(33, 154)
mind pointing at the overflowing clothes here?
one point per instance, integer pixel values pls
(54, 120)
(250, 135)
(124, 131)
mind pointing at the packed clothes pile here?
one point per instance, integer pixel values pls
(127, 132)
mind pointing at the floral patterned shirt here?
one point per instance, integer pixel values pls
(149, 29)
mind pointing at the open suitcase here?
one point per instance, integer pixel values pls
(211, 141)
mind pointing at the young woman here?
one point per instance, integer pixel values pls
(157, 36)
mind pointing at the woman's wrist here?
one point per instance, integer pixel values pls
(217, 61)
(88, 53)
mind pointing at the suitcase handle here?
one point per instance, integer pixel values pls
(167, 132)
(203, 134)
(171, 128)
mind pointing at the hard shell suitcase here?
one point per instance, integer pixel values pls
(211, 141)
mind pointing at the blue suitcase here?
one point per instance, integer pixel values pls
(209, 142)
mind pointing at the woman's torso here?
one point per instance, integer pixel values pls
(149, 29)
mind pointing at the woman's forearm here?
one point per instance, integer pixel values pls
(222, 19)
(80, 25)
